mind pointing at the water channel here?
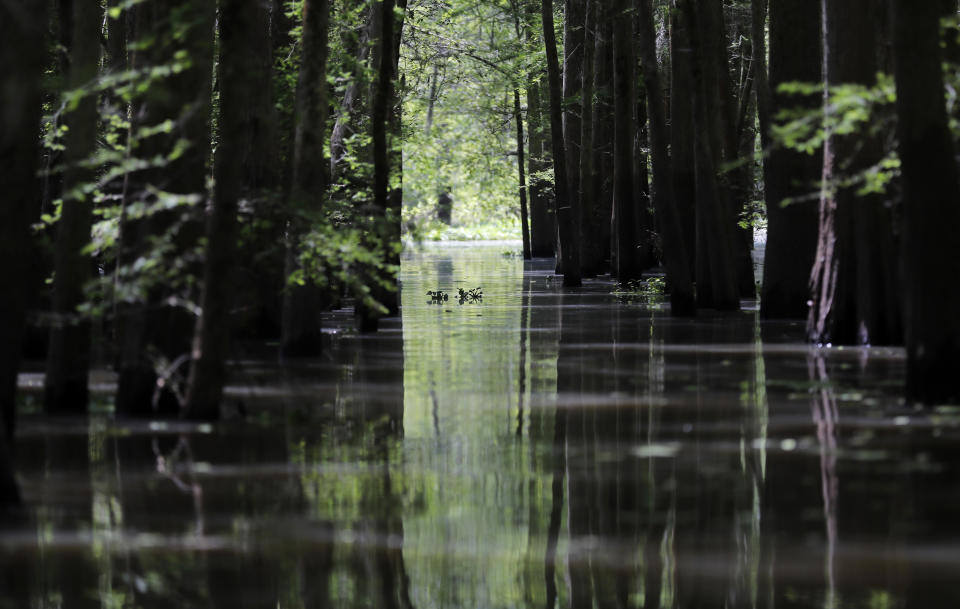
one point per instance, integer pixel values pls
(541, 448)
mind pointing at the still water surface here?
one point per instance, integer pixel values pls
(539, 449)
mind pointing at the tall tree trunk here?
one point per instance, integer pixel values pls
(260, 149)
(735, 183)
(931, 214)
(566, 213)
(542, 218)
(117, 37)
(303, 304)
(239, 22)
(854, 279)
(68, 358)
(682, 160)
(795, 28)
(682, 301)
(391, 297)
(628, 265)
(641, 174)
(383, 96)
(591, 216)
(601, 181)
(574, 14)
(879, 272)
(265, 174)
(524, 224)
(23, 26)
(543, 221)
(155, 327)
(716, 262)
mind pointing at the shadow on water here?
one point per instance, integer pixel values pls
(535, 449)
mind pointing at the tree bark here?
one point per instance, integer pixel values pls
(627, 266)
(542, 219)
(566, 213)
(591, 216)
(931, 214)
(239, 22)
(716, 262)
(795, 28)
(574, 14)
(117, 38)
(391, 297)
(524, 224)
(260, 149)
(646, 221)
(23, 26)
(735, 183)
(68, 357)
(855, 275)
(381, 119)
(682, 160)
(682, 301)
(601, 182)
(155, 327)
(303, 304)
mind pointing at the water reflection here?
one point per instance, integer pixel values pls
(538, 449)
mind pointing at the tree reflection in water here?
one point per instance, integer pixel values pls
(541, 449)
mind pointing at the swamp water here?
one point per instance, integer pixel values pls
(536, 449)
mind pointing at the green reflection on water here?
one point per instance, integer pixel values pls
(670, 463)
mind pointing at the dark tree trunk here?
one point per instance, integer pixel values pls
(566, 213)
(682, 161)
(117, 38)
(931, 214)
(628, 257)
(542, 219)
(259, 148)
(716, 262)
(303, 304)
(646, 226)
(735, 182)
(592, 255)
(601, 186)
(266, 170)
(524, 224)
(381, 118)
(155, 327)
(574, 14)
(682, 300)
(854, 278)
(879, 274)
(391, 297)
(68, 358)
(239, 21)
(23, 26)
(795, 28)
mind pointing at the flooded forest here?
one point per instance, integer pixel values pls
(442, 304)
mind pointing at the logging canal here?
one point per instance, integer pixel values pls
(536, 448)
